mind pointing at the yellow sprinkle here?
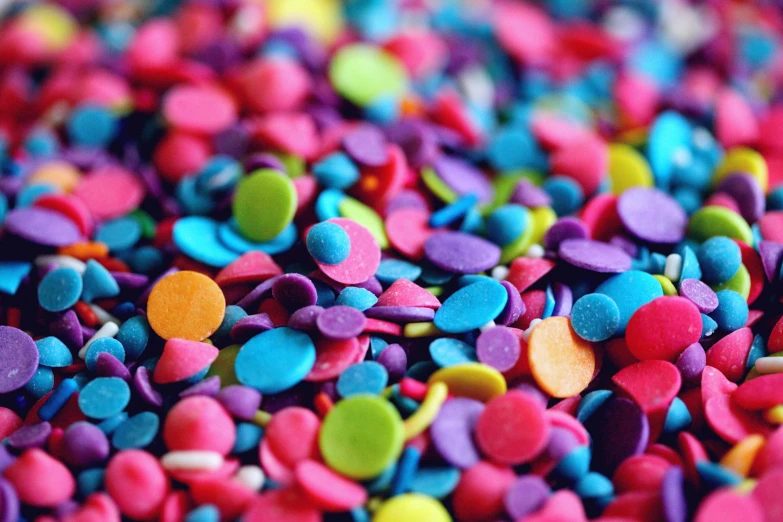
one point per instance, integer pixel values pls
(743, 159)
(746, 486)
(423, 417)
(666, 285)
(262, 418)
(473, 380)
(627, 168)
(543, 218)
(435, 290)
(774, 415)
(740, 458)
(421, 330)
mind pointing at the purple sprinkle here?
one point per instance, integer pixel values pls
(304, 318)
(463, 178)
(461, 253)
(259, 293)
(42, 226)
(625, 243)
(525, 496)
(407, 199)
(341, 322)
(18, 358)
(417, 141)
(619, 430)
(401, 314)
(294, 291)
(691, 363)
(564, 300)
(129, 281)
(395, 360)
(515, 306)
(9, 500)
(452, 432)
(561, 443)
(68, 330)
(771, 253)
(372, 285)
(108, 365)
(652, 215)
(209, 387)
(142, 384)
(594, 256)
(242, 402)
(84, 444)
(675, 504)
(250, 326)
(31, 436)
(499, 348)
(528, 194)
(6, 459)
(263, 160)
(367, 145)
(699, 294)
(747, 192)
(565, 228)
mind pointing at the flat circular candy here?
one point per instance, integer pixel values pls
(264, 204)
(361, 436)
(42, 226)
(412, 507)
(595, 317)
(619, 429)
(452, 432)
(663, 328)
(275, 360)
(512, 429)
(594, 256)
(363, 73)
(187, 305)
(198, 237)
(461, 253)
(363, 259)
(652, 215)
(561, 362)
(19, 359)
(104, 397)
(110, 192)
(60, 289)
(199, 109)
(485, 299)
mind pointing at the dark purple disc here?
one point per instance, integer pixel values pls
(594, 256)
(515, 306)
(143, 386)
(691, 362)
(209, 387)
(652, 215)
(564, 300)
(42, 226)
(565, 228)
(401, 314)
(452, 432)
(619, 429)
(250, 326)
(68, 330)
(463, 178)
(294, 291)
(461, 253)
(675, 503)
(256, 295)
(367, 145)
(699, 294)
(395, 360)
(304, 318)
(18, 358)
(341, 322)
(30, 436)
(108, 365)
(84, 444)
(747, 192)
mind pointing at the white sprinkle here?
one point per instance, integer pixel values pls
(500, 273)
(61, 262)
(104, 316)
(251, 476)
(192, 460)
(533, 324)
(107, 330)
(489, 326)
(769, 365)
(535, 251)
(673, 267)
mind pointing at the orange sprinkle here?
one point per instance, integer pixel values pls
(85, 251)
(561, 362)
(187, 305)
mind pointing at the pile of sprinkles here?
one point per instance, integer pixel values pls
(391, 261)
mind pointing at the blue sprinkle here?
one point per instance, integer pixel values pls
(593, 485)
(104, 397)
(42, 143)
(469, 279)
(406, 470)
(104, 344)
(359, 514)
(134, 335)
(383, 481)
(98, 283)
(119, 234)
(669, 132)
(3, 207)
(595, 317)
(708, 326)
(203, 513)
(111, 424)
(137, 432)
(590, 404)
(231, 316)
(716, 476)
(678, 417)
(146, 260)
(435, 482)
(12, 273)
(758, 349)
(689, 199)
(327, 206)
(358, 298)
(506, 224)
(390, 270)
(89, 481)
(377, 346)
(41, 383)
(510, 148)
(325, 297)
(567, 195)
(471, 307)
(191, 199)
(453, 211)
(732, 311)
(690, 263)
(630, 291)
(719, 258)
(575, 465)
(383, 110)
(432, 275)
(92, 126)
(275, 360)
(473, 222)
(446, 351)
(248, 437)
(57, 399)
(197, 237)
(229, 235)
(30, 193)
(219, 175)
(406, 405)
(328, 243)
(53, 353)
(549, 303)
(775, 199)
(60, 289)
(366, 377)
(336, 171)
